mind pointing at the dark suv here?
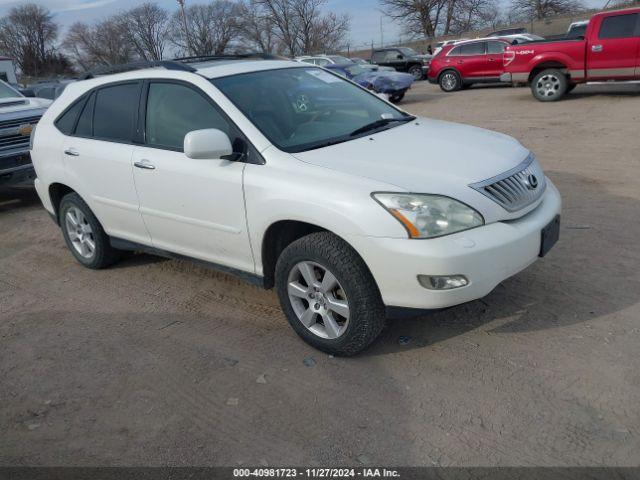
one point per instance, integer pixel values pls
(403, 59)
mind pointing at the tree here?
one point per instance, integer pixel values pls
(302, 28)
(541, 9)
(211, 27)
(419, 17)
(28, 35)
(146, 27)
(257, 29)
(96, 45)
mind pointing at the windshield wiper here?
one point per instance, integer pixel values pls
(380, 123)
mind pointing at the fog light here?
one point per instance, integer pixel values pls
(443, 282)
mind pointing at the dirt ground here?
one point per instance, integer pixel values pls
(158, 362)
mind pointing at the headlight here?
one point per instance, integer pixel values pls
(428, 216)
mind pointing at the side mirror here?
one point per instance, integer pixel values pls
(208, 144)
(27, 92)
(399, 57)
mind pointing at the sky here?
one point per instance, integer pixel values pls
(365, 14)
(366, 18)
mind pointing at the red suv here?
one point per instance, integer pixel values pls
(465, 63)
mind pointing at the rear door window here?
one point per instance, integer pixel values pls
(477, 48)
(115, 112)
(495, 47)
(619, 26)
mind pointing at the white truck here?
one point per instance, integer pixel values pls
(18, 117)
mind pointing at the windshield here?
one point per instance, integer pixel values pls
(340, 59)
(7, 92)
(408, 52)
(300, 109)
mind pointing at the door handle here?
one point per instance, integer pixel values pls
(72, 152)
(145, 164)
(596, 48)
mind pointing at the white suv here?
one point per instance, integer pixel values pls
(292, 177)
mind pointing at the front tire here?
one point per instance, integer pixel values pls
(328, 294)
(450, 81)
(83, 233)
(549, 85)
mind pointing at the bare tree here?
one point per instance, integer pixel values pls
(100, 44)
(28, 35)
(257, 29)
(146, 28)
(212, 28)
(541, 9)
(472, 15)
(419, 17)
(302, 27)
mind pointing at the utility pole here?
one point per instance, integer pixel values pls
(186, 28)
(381, 34)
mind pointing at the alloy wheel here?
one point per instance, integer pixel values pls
(80, 233)
(318, 300)
(548, 85)
(449, 81)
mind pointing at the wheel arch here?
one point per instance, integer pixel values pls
(282, 233)
(56, 192)
(449, 69)
(544, 65)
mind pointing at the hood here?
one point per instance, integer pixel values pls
(19, 104)
(425, 156)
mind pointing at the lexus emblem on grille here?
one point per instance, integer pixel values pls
(532, 182)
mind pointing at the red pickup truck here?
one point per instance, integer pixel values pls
(609, 51)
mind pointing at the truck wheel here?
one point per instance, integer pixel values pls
(450, 81)
(84, 235)
(549, 85)
(328, 294)
(416, 71)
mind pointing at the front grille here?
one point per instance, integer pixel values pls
(10, 137)
(516, 188)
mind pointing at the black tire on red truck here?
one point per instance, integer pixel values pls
(549, 85)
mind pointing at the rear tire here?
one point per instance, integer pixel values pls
(416, 72)
(450, 81)
(549, 85)
(396, 98)
(338, 277)
(84, 235)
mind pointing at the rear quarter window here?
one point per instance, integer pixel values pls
(67, 121)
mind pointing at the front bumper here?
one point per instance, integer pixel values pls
(486, 255)
(16, 169)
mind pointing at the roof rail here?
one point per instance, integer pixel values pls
(241, 56)
(128, 67)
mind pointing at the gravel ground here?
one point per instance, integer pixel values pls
(158, 362)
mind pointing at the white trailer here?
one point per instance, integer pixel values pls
(7, 71)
